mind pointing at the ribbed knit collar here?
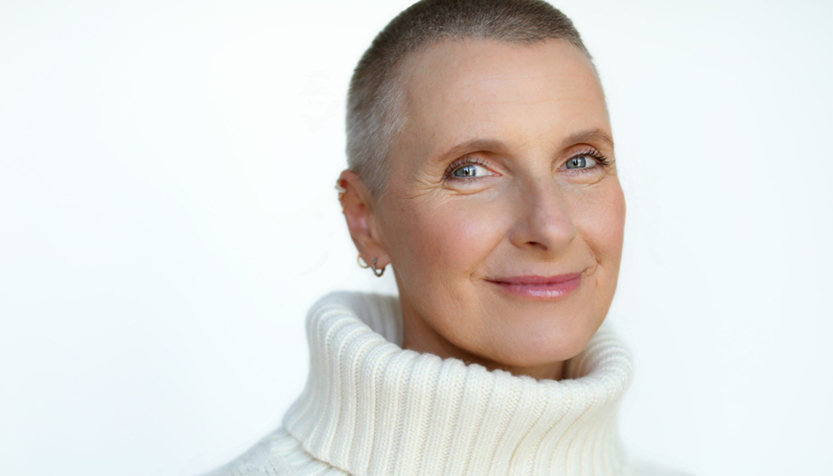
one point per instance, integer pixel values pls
(372, 408)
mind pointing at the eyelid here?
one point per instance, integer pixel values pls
(468, 159)
(601, 159)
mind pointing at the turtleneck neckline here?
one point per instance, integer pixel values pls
(372, 408)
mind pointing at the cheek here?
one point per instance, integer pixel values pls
(449, 239)
(600, 218)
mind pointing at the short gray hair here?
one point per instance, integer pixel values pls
(376, 92)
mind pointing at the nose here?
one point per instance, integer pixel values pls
(543, 216)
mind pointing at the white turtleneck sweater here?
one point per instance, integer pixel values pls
(373, 408)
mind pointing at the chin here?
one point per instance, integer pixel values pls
(544, 343)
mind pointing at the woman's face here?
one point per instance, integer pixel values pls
(498, 175)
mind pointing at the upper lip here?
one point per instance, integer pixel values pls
(537, 279)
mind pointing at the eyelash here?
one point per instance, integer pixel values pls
(591, 152)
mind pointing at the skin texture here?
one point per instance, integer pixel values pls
(523, 212)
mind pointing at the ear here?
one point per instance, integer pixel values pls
(362, 218)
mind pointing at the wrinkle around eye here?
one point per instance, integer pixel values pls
(479, 185)
(421, 187)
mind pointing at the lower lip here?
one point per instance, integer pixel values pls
(540, 291)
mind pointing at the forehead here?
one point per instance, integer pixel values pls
(520, 94)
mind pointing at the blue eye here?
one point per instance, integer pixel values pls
(579, 162)
(470, 169)
(467, 169)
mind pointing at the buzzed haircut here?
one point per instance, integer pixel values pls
(376, 93)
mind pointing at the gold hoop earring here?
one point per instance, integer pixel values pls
(377, 272)
(358, 259)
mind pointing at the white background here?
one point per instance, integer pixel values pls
(167, 215)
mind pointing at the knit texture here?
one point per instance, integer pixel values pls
(372, 408)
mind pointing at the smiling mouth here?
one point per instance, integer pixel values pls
(539, 287)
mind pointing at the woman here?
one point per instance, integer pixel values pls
(481, 166)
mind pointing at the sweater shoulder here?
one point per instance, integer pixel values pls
(276, 454)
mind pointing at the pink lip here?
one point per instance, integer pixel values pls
(539, 287)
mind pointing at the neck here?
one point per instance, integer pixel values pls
(420, 336)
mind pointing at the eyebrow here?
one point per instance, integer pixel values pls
(588, 135)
